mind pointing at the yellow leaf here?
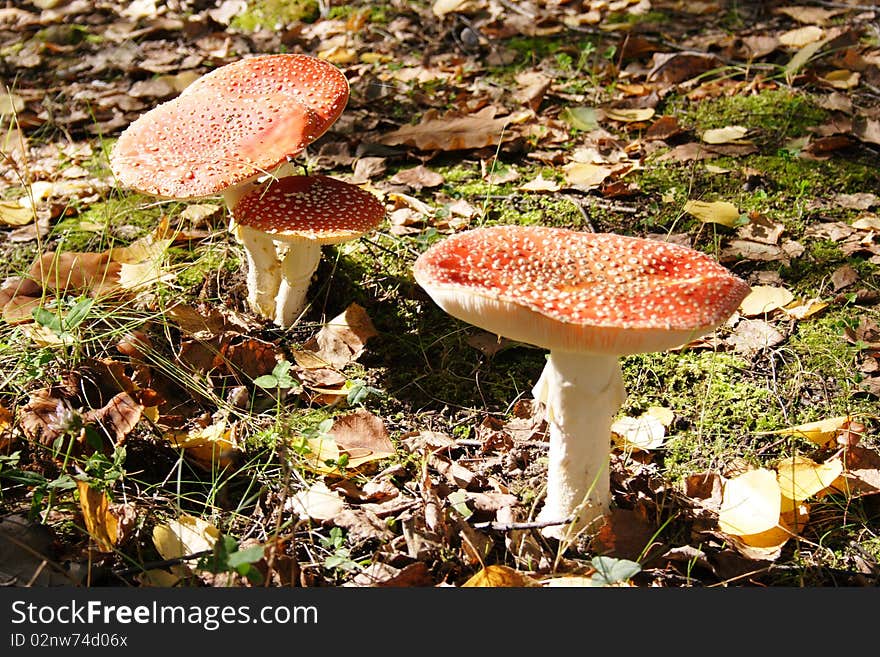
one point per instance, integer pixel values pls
(500, 576)
(791, 521)
(801, 36)
(13, 214)
(184, 536)
(820, 432)
(209, 447)
(630, 115)
(800, 477)
(806, 309)
(665, 415)
(645, 432)
(322, 450)
(100, 523)
(842, 79)
(765, 299)
(317, 502)
(585, 174)
(724, 135)
(750, 503)
(715, 212)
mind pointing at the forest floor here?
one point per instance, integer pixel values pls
(155, 432)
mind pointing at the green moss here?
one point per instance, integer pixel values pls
(717, 401)
(776, 115)
(112, 222)
(269, 14)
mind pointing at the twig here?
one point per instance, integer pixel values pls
(514, 526)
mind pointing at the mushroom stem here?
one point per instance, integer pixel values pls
(263, 269)
(297, 268)
(581, 393)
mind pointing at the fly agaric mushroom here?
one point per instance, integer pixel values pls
(588, 298)
(301, 213)
(231, 126)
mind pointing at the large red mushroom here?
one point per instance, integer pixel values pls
(230, 127)
(589, 298)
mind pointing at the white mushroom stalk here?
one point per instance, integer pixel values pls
(581, 393)
(589, 298)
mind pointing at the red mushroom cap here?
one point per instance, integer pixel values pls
(192, 147)
(316, 208)
(313, 82)
(568, 290)
(233, 124)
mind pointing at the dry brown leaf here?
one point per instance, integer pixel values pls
(418, 177)
(117, 418)
(451, 132)
(75, 272)
(752, 335)
(342, 340)
(362, 436)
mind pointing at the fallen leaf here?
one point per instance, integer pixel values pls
(343, 339)
(13, 214)
(184, 536)
(362, 436)
(801, 36)
(751, 503)
(724, 135)
(496, 576)
(212, 447)
(586, 174)
(540, 184)
(800, 477)
(451, 131)
(108, 524)
(843, 276)
(820, 432)
(718, 212)
(644, 432)
(581, 118)
(764, 299)
(317, 502)
(751, 335)
(418, 177)
(627, 115)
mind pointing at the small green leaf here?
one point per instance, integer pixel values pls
(612, 571)
(580, 118)
(247, 556)
(78, 313)
(266, 381)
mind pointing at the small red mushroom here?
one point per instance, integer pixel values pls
(588, 298)
(301, 213)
